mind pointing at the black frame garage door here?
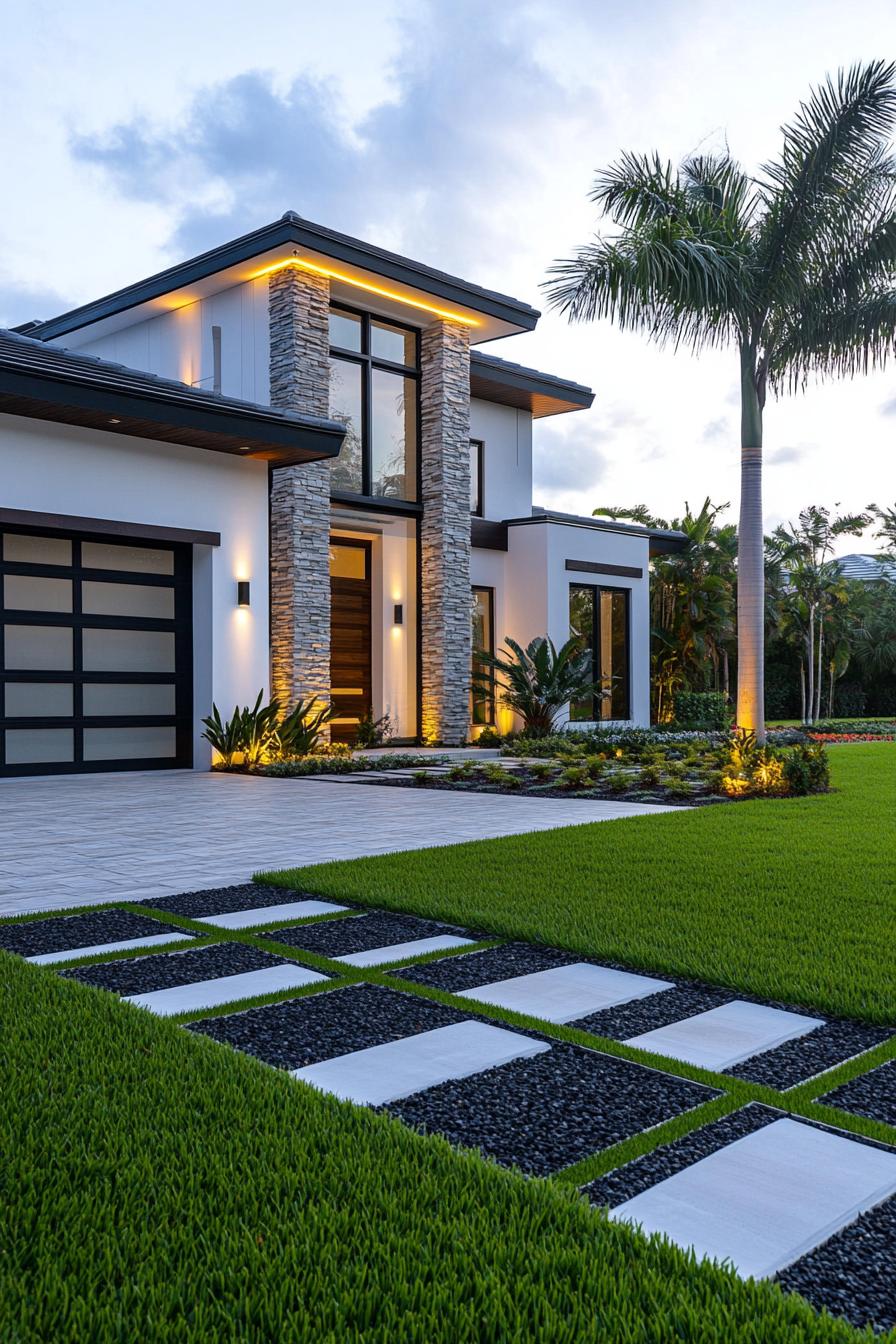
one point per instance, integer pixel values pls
(96, 653)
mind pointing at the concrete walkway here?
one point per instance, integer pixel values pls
(85, 839)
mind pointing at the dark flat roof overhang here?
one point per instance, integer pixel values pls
(541, 394)
(227, 428)
(661, 542)
(293, 232)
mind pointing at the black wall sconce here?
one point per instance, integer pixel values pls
(398, 614)
(242, 593)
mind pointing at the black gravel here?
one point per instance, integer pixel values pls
(796, 1061)
(468, 970)
(637, 1176)
(227, 900)
(303, 1031)
(854, 1273)
(142, 975)
(656, 1010)
(359, 933)
(36, 937)
(873, 1095)
(545, 1113)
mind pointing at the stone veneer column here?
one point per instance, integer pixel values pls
(298, 305)
(445, 532)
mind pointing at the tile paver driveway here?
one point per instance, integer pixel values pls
(91, 838)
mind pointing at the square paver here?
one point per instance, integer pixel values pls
(396, 1069)
(767, 1199)
(727, 1035)
(45, 941)
(225, 989)
(268, 914)
(374, 938)
(565, 993)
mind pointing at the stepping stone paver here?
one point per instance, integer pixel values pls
(398, 1069)
(268, 914)
(727, 1035)
(224, 989)
(97, 949)
(375, 956)
(767, 1199)
(565, 993)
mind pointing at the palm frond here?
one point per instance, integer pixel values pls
(835, 342)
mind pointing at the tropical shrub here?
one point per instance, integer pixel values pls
(489, 737)
(245, 738)
(537, 682)
(755, 770)
(702, 709)
(373, 732)
(301, 732)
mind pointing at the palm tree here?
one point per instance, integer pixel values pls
(538, 681)
(792, 266)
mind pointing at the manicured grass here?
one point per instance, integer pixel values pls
(790, 899)
(158, 1187)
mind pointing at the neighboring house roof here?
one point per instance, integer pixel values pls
(867, 568)
(291, 231)
(493, 379)
(47, 382)
(662, 540)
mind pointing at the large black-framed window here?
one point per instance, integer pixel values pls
(477, 477)
(374, 392)
(482, 701)
(600, 616)
(96, 654)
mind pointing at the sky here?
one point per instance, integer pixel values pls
(465, 134)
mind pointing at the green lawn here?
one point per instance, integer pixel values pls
(155, 1186)
(791, 899)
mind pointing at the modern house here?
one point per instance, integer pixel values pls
(285, 465)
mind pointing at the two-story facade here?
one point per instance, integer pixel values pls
(285, 465)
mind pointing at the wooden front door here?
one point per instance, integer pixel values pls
(350, 661)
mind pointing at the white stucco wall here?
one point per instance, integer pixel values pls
(507, 470)
(178, 344)
(48, 468)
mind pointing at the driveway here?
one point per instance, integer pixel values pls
(85, 839)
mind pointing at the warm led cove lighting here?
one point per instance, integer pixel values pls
(371, 289)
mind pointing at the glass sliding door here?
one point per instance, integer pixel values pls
(600, 618)
(96, 654)
(482, 701)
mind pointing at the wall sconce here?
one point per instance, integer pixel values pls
(398, 614)
(242, 593)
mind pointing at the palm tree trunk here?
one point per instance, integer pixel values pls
(750, 558)
(810, 659)
(831, 693)
(820, 665)
(802, 691)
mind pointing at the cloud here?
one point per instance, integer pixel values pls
(21, 303)
(780, 457)
(717, 431)
(888, 407)
(441, 168)
(568, 458)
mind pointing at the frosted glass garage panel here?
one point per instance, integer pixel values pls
(133, 743)
(128, 651)
(39, 699)
(38, 648)
(36, 550)
(126, 599)
(128, 698)
(135, 559)
(27, 592)
(33, 746)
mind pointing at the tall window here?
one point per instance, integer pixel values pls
(374, 371)
(482, 702)
(477, 452)
(600, 617)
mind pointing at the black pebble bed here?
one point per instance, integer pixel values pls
(39, 936)
(796, 1061)
(471, 969)
(873, 1094)
(227, 900)
(142, 975)
(360, 933)
(544, 1113)
(656, 1010)
(853, 1274)
(304, 1031)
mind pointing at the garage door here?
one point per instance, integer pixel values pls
(95, 654)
